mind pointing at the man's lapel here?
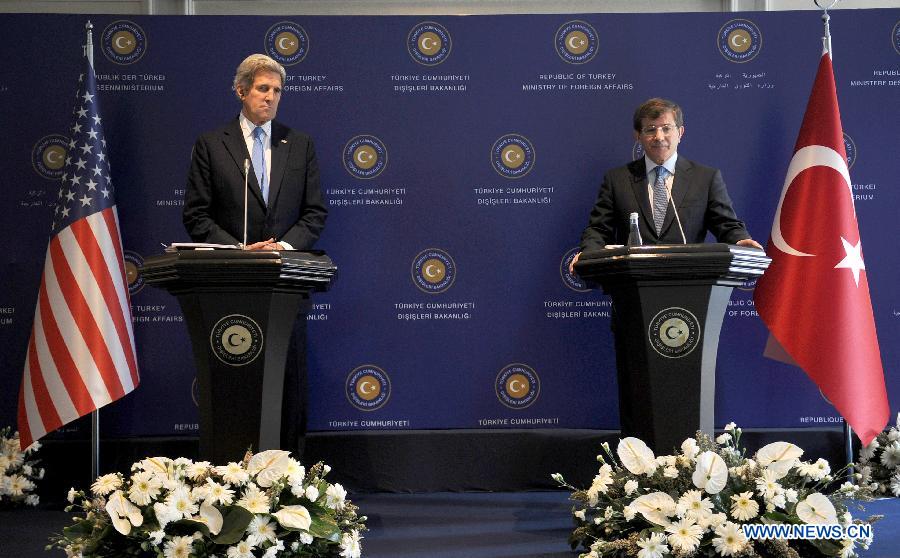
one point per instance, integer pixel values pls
(280, 150)
(233, 138)
(638, 171)
(680, 185)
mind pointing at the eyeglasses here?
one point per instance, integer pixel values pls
(666, 129)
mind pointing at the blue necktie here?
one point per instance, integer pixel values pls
(660, 198)
(259, 162)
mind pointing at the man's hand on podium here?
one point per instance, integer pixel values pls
(573, 262)
(265, 245)
(751, 243)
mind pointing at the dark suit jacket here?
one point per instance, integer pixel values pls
(214, 199)
(698, 192)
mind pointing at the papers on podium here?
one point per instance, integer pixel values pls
(175, 246)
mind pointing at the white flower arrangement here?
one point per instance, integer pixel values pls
(266, 506)
(19, 471)
(879, 462)
(696, 503)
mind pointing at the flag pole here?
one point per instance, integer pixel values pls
(95, 414)
(826, 45)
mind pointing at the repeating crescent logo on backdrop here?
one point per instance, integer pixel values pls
(512, 156)
(133, 263)
(433, 271)
(123, 42)
(739, 40)
(48, 156)
(368, 387)
(429, 43)
(576, 42)
(287, 42)
(571, 280)
(517, 386)
(365, 156)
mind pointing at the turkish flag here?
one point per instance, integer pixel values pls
(814, 297)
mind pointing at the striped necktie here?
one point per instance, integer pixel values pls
(660, 198)
(259, 163)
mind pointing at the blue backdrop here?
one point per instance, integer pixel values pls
(452, 279)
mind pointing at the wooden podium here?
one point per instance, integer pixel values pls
(668, 302)
(240, 307)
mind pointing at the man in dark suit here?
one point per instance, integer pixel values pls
(285, 207)
(645, 187)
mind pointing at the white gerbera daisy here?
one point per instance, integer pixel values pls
(254, 500)
(106, 484)
(17, 485)
(243, 549)
(730, 540)
(196, 470)
(684, 535)
(767, 484)
(895, 485)
(233, 473)
(743, 506)
(692, 504)
(890, 457)
(218, 493)
(145, 487)
(178, 547)
(654, 547)
(182, 502)
(260, 530)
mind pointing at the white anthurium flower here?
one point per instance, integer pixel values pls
(779, 457)
(123, 513)
(636, 456)
(711, 473)
(817, 508)
(155, 465)
(212, 517)
(269, 466)
(656, 507)
(294, 517)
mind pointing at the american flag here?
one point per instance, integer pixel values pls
(81, 353)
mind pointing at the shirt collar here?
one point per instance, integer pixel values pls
(247, 127)
(669, 164)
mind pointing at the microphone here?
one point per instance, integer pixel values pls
(674, 209)
(246, 190)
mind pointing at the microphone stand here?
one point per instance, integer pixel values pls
(246, 190)
(675, 210)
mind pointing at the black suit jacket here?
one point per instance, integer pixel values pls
(214, 199)
(698, 192)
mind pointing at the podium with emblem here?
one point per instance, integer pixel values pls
(240, 307)
(668, 305)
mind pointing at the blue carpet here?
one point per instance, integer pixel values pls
(439, 525)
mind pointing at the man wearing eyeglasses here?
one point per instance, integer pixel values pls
(651, 185)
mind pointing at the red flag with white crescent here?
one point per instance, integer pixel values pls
(814, 297)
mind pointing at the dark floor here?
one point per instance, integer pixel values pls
(439, 525)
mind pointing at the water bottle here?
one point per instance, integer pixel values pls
(634, 232)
